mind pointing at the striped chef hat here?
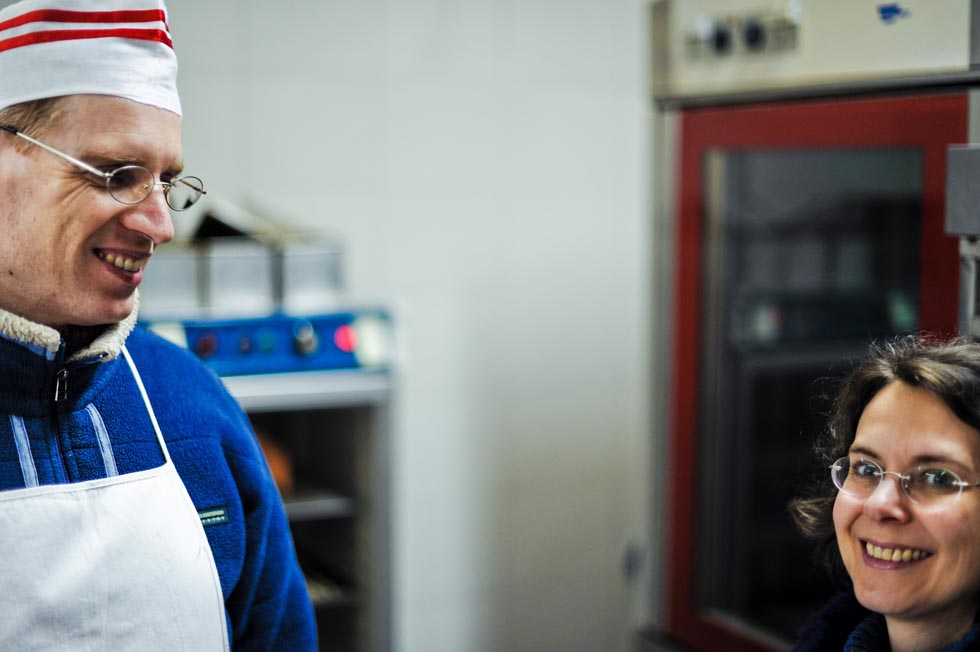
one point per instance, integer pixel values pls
(50, 48)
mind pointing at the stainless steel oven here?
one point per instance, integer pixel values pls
(801, 173)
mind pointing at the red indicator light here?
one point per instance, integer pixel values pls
(345, 338)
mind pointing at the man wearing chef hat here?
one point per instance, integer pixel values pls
(136, 509)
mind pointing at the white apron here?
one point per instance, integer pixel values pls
(107, 565)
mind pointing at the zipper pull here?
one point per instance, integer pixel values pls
(61, 385)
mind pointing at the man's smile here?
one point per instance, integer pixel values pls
(127, 262)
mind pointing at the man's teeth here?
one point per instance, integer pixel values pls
(128, 264)
(895, 554)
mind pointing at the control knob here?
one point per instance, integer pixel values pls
(754, 35)
(721, 39)
(305, 339)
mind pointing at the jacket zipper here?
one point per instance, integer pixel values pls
(61, 385)
(60, 395)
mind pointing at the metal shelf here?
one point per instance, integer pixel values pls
(310, 506)
(305, 390)
(343, 443)
(325, 594)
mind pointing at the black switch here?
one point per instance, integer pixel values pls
(754, 35)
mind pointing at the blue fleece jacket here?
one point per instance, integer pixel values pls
(70, 408)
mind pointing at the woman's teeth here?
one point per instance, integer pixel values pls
(895, 554)
(128, 264)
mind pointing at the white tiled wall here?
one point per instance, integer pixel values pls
(485, 163)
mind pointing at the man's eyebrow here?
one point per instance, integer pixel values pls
(99, 158)
(108, 159)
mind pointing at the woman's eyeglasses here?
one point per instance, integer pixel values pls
(924, 484)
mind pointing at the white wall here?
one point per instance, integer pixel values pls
(485, 162)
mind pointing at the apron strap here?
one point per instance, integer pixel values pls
(146, 402)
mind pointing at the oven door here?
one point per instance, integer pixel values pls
(804, 231)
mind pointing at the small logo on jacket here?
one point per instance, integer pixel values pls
(213, 516)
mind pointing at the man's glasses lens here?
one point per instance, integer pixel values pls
(131, 184)
(923, 484)
(182, 193)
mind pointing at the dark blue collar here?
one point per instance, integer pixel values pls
(871, 635)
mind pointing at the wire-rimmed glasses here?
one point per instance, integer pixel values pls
(131, 184)
(925, 484)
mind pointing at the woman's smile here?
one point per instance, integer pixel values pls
(889, 556)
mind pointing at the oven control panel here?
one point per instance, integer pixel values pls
(732, 34)
(361, 339)
(716, 47)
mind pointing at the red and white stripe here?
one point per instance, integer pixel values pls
(50, 48)
(50, 25)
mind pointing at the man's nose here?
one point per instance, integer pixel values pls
(151, 217)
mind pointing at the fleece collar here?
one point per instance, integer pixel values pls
(35, 377)
(46, 341)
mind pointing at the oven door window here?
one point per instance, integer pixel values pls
(808, 255)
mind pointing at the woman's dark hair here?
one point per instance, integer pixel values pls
(948, 370)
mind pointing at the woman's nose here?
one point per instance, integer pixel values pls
(888, 501)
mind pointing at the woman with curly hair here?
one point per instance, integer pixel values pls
(899, 518)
